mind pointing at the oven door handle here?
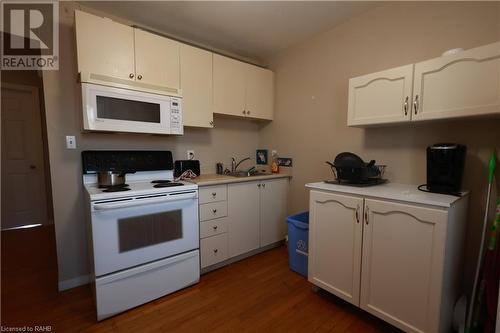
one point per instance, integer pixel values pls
(144, 201)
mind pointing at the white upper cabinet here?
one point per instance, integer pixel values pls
(197, 86)
(243, 90)
(382, 97)
(229, 86)
(157, 61)
(259, 93)
(463, 84)
(104, 48)
(115, 54)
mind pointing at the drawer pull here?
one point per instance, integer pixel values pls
(214, 194)
(214, 210)
(215, 227)
(215, 250)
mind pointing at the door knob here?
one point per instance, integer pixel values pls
(139, 77)
(131, 75)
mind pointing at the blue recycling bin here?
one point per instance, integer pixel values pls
(298, 242)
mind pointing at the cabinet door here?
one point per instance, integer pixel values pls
(196, 85)
(335, 233)
(229, 86)
(243, 218)
(273, 203)
(157, 62)
(463, 84)
(403, 253)
(259, 97)
(380, 98)
(104, 48)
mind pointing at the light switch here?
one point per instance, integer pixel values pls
(70, 142)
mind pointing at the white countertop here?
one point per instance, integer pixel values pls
(207, 180)
(392, 191)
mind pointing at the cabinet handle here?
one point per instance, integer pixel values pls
(248, 112)
(264, 185)
(139, 77)
(415, 104)
(258, 185)
(366, 215)
(244, 112)
(357, 214)
(131, 75)
(214, 194)
(214, 210)
(405, 107)
(215, 250)
(211, 123)
(215, 227)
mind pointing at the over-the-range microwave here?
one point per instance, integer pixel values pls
(123, 110)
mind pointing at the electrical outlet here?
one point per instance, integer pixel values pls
(190, 154)
(70, 142)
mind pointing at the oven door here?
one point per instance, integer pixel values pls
(123, 110)
(132, 231)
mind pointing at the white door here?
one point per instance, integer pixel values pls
(403, 253)
(259, 97)
(197, 87)
(335, 235)
(273, 204)
(157, 62)
(104, 48)
(23, 178)
(463, 84)
(243, 217)
(229, 86)
(381, 98)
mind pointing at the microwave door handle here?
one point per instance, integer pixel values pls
(141, 202)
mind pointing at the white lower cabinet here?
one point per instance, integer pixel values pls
(243, 213)
(335, 244)
(255, 217)
(398, 261)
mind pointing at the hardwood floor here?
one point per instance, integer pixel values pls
(259, 294)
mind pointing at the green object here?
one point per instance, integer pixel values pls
(491, 166)
(494, 229)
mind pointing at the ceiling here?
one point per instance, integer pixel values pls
(249, 29)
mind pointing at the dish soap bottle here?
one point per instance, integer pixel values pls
(275, 168)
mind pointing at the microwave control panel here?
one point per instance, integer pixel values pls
(176, 116)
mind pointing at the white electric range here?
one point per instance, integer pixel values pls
(144, 237)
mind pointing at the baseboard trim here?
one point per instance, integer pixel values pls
(74, 282)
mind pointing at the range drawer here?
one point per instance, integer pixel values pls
(124, 290)
(212, 194)
(213, 250)
(213, 210)
(213, 227)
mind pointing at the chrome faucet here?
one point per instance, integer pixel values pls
(234, 165)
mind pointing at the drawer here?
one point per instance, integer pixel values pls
(212, 194)
(126, 289)
(213, 227)
(213, 250)
(213, 210)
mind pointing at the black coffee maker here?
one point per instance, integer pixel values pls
(445, 167)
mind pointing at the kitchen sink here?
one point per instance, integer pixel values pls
(241, 174)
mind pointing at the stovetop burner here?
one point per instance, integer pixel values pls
(169, 184)
(161, 181)
(110, 189)
(113, 186)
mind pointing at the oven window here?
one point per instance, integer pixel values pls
(145, 230)
(123, 109)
